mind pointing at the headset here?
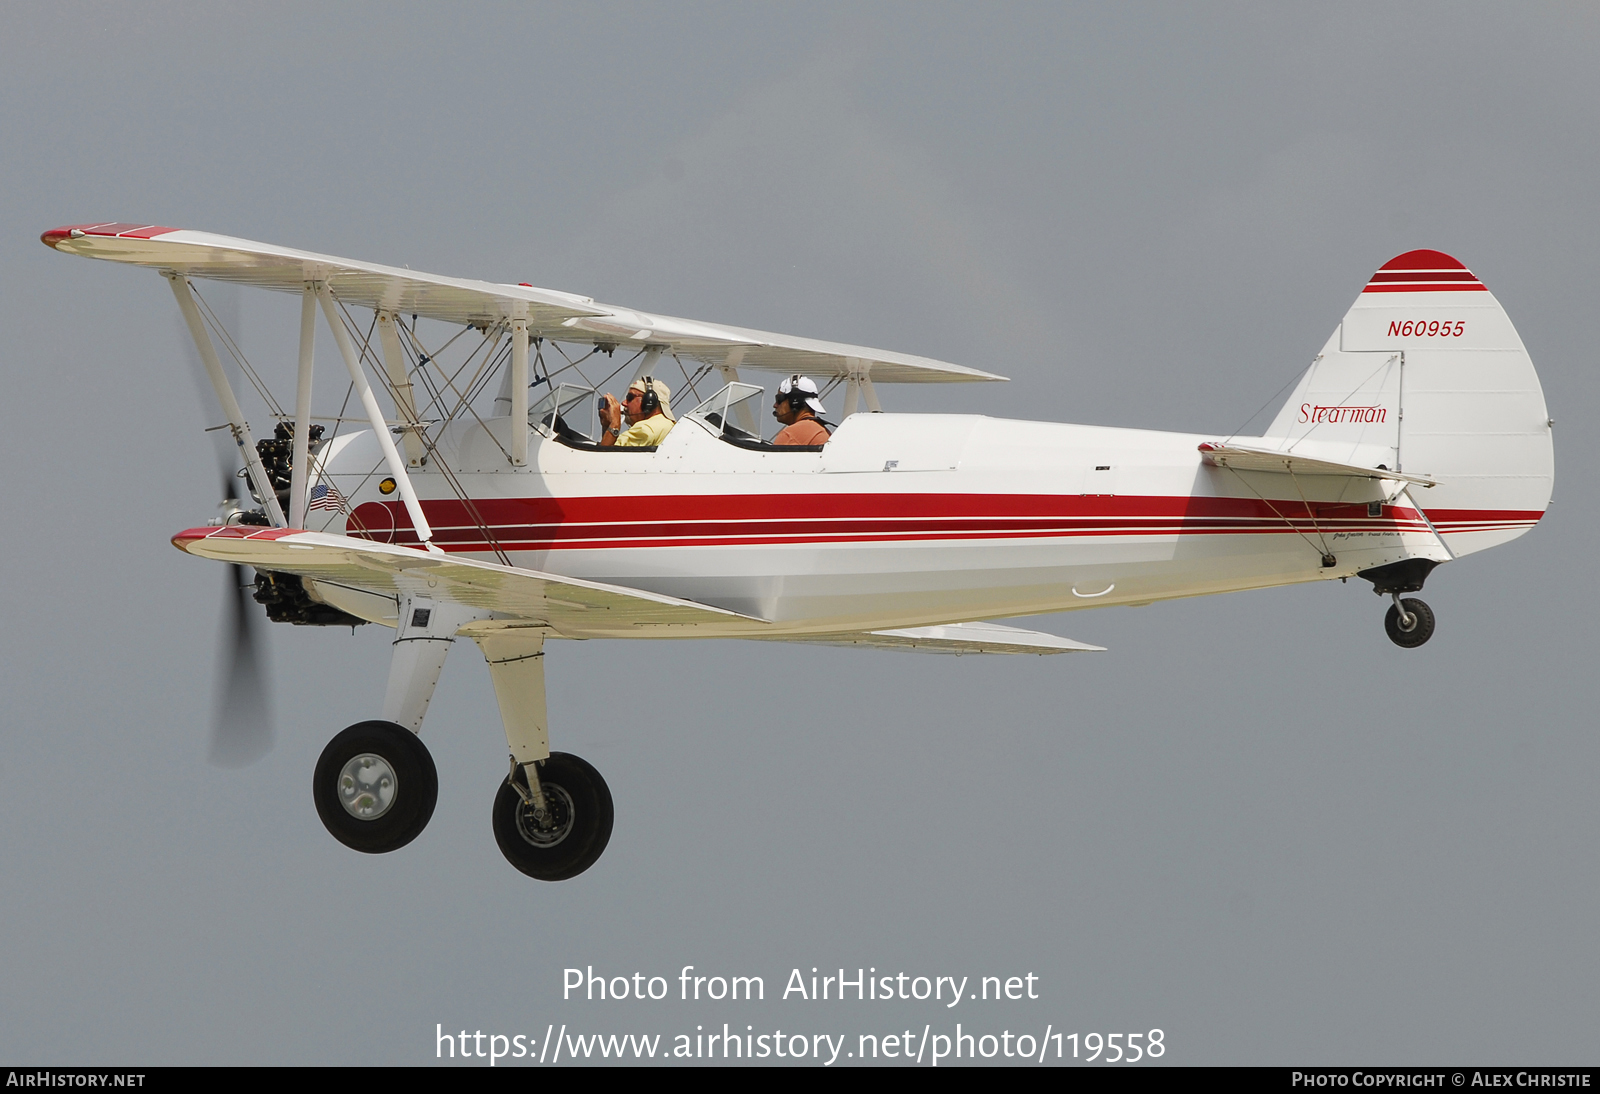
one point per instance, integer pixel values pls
(649, 401)
(794, 396)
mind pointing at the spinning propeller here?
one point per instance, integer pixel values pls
(241, 721)
(241, 726)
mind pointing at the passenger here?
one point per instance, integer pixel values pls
(797, 405)
(648, 408)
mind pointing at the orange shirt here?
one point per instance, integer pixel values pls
(804, 431)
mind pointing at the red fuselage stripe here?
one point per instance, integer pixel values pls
(700, 520)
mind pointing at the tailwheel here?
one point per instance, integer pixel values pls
(1409, 622)
(552, 819)
(375, 787)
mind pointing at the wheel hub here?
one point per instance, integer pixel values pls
(557, 823)
(367, 786)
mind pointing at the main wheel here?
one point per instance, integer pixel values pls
(375, 787)
(575, 832)
(1421, 628)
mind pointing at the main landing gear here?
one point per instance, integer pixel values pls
(1409, 622)
(375, 785)
(552, 819)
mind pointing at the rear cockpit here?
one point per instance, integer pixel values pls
(734, 415)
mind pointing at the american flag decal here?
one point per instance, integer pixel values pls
(326, 496)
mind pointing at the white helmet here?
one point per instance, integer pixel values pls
(801, 391)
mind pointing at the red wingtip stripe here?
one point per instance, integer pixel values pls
(118, 229)
(230, 531)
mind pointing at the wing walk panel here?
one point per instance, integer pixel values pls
(574, 608)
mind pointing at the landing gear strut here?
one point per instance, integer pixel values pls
(375, 786)
(1409, 622)
(552, 815)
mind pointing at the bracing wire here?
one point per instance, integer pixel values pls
(431, 446)
(221, 333)
(1279, 514)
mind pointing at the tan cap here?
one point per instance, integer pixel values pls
(663, 393)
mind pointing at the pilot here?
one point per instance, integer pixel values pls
(797, 405)
(648, 408)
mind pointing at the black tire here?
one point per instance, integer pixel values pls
(581, 803)
(412, 787)
(1421, 627)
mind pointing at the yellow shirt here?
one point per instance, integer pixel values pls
(645, 433)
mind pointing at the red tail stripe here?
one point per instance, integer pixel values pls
(1422, 260)
(1442, 286)
(1423, 271)
(1424, 275)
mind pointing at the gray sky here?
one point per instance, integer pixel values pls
(1254, 823)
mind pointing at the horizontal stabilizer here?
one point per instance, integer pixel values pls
(559, 316)
(955, 638)
(569, 606)
(1265, 459)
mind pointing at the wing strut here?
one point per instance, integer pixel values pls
(380, 428)
(405, 403)
(519, 392)
(224, 390)
(858, 383)
(300, 469)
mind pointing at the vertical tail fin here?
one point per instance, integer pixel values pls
(1427, 375)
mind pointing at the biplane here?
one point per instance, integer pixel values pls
(468, 496)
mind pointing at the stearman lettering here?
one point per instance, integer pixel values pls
(1332, 415)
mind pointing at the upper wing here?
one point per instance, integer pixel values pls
(1265, 459)
(560, 316)
(953, 638)
(572, 607)
(223, 258)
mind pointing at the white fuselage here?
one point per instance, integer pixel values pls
(902, 520)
